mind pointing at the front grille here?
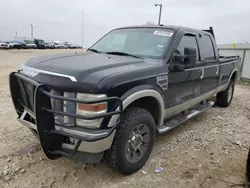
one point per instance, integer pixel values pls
(27, 94)
(64, 106)
(30, 93)
(57, 104)
(69, 107)
(27, 91)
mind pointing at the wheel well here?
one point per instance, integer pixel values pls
(234, 76)
(150, 104)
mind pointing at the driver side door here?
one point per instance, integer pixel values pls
(184, 85)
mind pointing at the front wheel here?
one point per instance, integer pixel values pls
(248, 168)
(133, 142)
(224, 98)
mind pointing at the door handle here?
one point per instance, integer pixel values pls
(217, 71)
(202, 74)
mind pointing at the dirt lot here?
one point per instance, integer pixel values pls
(208, 151)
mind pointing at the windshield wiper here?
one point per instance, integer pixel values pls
(94, 50)
(122, 54)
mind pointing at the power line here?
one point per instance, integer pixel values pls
(174, 2)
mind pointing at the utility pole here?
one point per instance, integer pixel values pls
(82, 28)
(16, 33)
(160, 5)
(31, 27)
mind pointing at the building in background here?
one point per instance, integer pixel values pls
(242, 50)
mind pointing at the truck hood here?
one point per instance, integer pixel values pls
(86, 67)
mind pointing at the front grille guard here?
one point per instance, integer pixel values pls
(52, 139)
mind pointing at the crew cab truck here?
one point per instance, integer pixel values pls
(111, 101)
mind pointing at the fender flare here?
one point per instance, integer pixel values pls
(227, 83)
(230, 77)
(138, 95)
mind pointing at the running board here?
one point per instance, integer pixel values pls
(182, 117)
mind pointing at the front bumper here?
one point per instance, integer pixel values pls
(4, 47)
(58, 139)
(15, 46)
(31, 46)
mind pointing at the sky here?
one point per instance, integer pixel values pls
(62, 19)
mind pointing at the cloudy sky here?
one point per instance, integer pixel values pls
(61, 19)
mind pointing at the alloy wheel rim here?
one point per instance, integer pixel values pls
(230, 93)
(137, 143)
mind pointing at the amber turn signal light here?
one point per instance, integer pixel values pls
(91, 107)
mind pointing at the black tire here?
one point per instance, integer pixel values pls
(224, 98)
(248, 168)
(117, 154)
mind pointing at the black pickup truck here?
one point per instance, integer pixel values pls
(111, 101)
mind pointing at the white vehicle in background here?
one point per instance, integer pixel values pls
(59, 45)
(14, 44)
(30, 44)
(49, 44)
(4, 45)
(66, 44)
(73, 46)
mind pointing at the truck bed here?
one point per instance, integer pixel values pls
(224, 59)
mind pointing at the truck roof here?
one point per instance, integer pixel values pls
(179, 28)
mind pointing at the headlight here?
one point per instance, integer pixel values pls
(90, 110)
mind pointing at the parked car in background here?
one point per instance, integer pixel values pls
(50, 44)
(4, 45)
(22, 43)
(14, 44)
(73, 46)
(59, 45)
(30, 44)
(66, 44)
(40, 44)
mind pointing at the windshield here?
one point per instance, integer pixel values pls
(49, 43)
(29, 42)
(145, 42)
(19, 42)
(40, 42)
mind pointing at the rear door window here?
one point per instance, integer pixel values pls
(207, 48)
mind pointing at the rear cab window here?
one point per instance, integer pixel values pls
(206, 48)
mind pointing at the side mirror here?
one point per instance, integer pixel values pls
(178, 62)
(178, 58)
(190, 56)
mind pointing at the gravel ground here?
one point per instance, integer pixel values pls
(207, 151)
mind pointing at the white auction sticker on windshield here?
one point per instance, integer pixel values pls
(163, 33)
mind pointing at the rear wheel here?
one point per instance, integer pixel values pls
(248, 168)
(224, 98)
(133, 142)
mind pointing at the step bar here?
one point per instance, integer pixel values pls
(184, 116)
